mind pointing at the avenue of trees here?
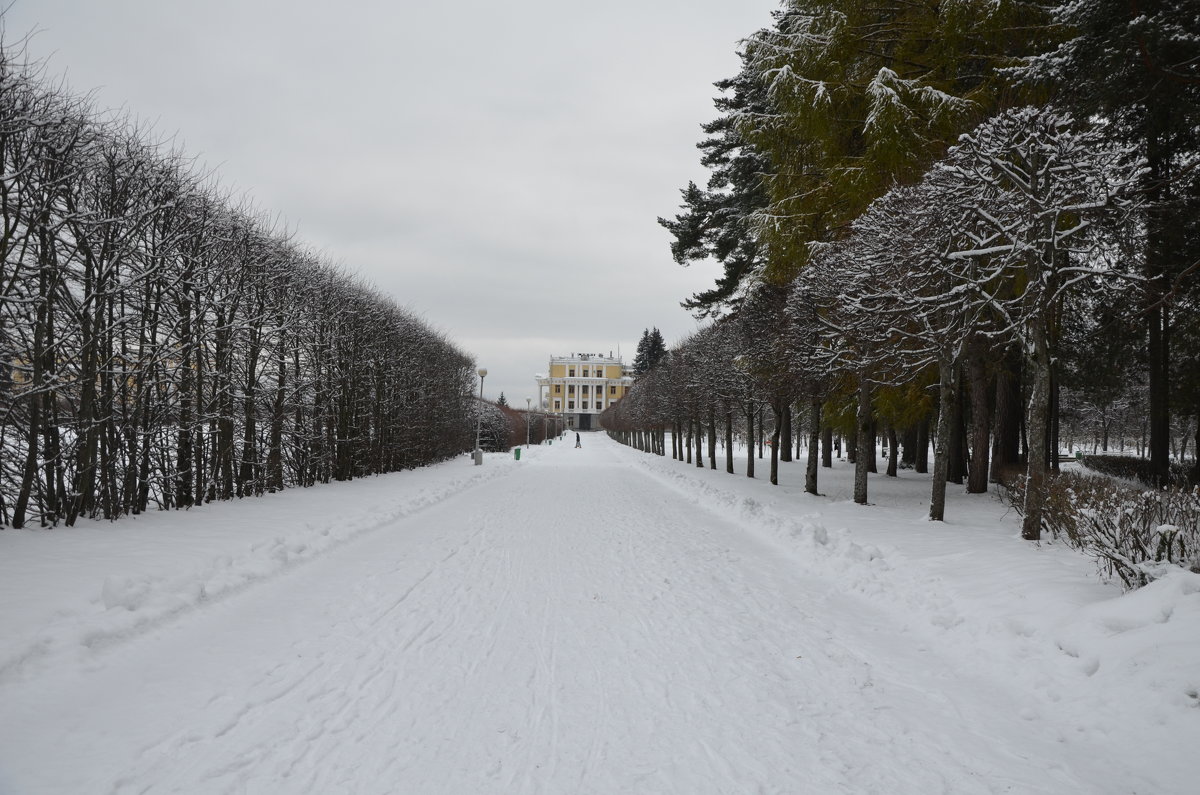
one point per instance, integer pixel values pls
(163, 346)
(972, 223)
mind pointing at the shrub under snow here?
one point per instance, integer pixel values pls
(1134, 468)
(1135, 535)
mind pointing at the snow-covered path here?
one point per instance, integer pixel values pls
(573, 625)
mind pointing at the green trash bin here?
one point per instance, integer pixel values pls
(517, 453)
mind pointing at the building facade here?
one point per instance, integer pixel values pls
(582, 385)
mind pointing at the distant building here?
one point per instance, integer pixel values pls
(582, 385)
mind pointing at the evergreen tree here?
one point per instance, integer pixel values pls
(715, 221)
(656, 348)
(502, 401)
(650, 351)
(864, 96)
(1137, 65)
(834, 103)
(639, 360)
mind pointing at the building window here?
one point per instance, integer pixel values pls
(558, 405)
(558, 389)
(571, 373)
(570, 389)
(585, 389)
(584, 405)
(612, 390)
(585, 372)
(570, 404)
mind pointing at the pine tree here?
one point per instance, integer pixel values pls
(835, 102)
(639, 360)
(862, 97)
(502, 401)
(656, 348)
(650, 351)
(715, 221)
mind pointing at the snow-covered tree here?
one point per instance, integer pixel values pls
(164, 346)
(860, 96)
(1137, 65)
(1049, 203)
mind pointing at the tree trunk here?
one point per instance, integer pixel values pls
(1052, 444)
(728, 438)
(83, 488)
(814, 435)
(981, 423)
(750, 440)
(957, 438)
(275, 446)
(863, 438)
(1039, 406)
(712, 436)
(1159, 156)
(1006, 445)
(922, 454)
(761, 431)
(37, 383)
(775, 434)
(248, 472)
(893, 451)
(947, 389)
(688, 445)
(1194, 478)
(826, 442)
(29, 472)
(908, 444)
(223, 399)
(785, 433)
(1159, 396)
(873, 449)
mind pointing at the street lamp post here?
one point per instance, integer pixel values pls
(479, 420)
(528, 400)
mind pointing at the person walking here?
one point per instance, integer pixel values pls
(577, 444)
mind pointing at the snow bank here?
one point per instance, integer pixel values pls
(98, 582)
(1123, 665)
(1148, 639)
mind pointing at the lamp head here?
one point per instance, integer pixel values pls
(482, 371)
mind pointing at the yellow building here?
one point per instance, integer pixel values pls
(582, 385)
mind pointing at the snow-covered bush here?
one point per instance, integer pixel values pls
(1134, 535)
(494, 430)
(504, 427)
(1134, 468)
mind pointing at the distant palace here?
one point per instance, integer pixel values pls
(582, 385)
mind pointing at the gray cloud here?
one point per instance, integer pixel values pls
(495, 167)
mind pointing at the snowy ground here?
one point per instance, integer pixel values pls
(587, 621)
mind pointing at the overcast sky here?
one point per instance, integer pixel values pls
(497, 167)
